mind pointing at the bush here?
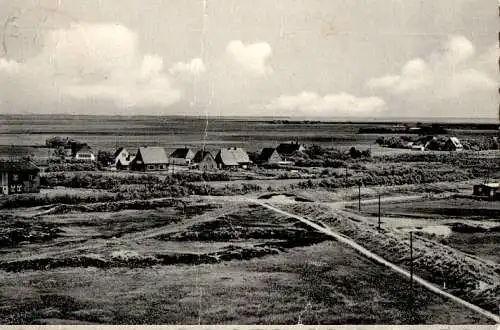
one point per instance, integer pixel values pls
(71, 167)
(205, 176)
(38, 200)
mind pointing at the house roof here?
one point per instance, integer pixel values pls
(490, 185)
(180, 153)
(153, 155)
(17, 165)
(455, 141)
(233, 156)
(118, 151)
(200, 155)
(84, 148)
(266, 153)
(288, 148)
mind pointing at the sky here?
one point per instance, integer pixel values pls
(292, 58)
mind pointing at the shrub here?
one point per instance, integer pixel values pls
(71, 167)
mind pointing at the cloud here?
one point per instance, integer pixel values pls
(93, 62)
(449, 72)
(252, 58)
(312, 104)
(194, 68)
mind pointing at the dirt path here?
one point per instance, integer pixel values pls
(344, 239)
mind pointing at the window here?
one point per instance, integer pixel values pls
(151, 167)
(162, 166)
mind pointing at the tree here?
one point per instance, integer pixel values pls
(315, 151)
(60, 153)
(366, 153)
(104, 158)
(354, 153)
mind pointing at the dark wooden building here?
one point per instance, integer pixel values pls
(20, 176)
(290, 149)
(270, 156)
(204, 161)
(181, 156)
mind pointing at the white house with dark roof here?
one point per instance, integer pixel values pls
(84, 153)
(122, 159)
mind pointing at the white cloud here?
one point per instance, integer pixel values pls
(449, 72)
(342, 104)
(195, 67)
(252, 58)
(415, 74)
(97, 62)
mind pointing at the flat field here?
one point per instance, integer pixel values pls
(172, 132)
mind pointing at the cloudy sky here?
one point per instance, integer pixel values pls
(307, 58)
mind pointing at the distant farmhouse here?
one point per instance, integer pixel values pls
(150, 159)
(289, 149)
(228, 158)
(83, 152)
(19, 176)
(182, 156)
(453, 144)
(270, 156)
(121, 159)
(204, 161)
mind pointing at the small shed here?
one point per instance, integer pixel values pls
(150, 159)
(19, 176)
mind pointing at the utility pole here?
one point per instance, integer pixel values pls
(379, 211)
(411, 276)
(359, 197)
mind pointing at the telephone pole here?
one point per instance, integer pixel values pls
(411, 276)
(359, 197)
(379, 211)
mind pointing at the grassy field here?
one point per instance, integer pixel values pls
(323, 284)
(210, 263)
